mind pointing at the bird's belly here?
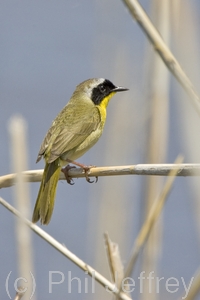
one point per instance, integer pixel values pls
(88, 143)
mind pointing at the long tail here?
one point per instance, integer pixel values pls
(46, 196)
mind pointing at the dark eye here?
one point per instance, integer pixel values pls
(102, 88)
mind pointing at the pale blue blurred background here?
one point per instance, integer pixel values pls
(47, 48)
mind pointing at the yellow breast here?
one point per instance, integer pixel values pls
(102, 107)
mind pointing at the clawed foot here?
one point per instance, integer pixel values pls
(85, 168)
(65, 171)
(87, 171)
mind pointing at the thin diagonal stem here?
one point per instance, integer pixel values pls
(63, 250)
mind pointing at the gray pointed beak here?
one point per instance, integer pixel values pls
(119, 89)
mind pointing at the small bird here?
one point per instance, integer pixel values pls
(74, 131)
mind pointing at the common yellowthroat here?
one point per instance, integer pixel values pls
(74, 131)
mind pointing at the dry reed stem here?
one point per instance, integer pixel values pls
(161, 48)
(195, 287)
(115, 264)
(67, 253)
(114, 260)
(157, 139)
(18, 148)
(150, 220)
(140, 169)
(20, 293)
